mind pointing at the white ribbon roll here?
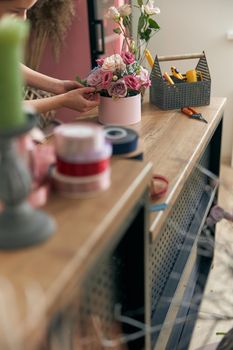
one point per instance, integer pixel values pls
(72, 140)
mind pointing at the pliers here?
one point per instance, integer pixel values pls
(192, 113)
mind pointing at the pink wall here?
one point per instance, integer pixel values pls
(75, 54)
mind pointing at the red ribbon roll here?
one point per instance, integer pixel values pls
(156, 193)
(83, 169)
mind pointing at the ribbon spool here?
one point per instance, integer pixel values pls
(81, 169)
(135, 155)
(158, 191)
(91, 157)
(83, 160)
(123, 140)
(80, 187)
(76, 139)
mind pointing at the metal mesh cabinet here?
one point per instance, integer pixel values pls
(111, 294)
(177, 265)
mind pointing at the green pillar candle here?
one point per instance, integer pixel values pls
(12, 34)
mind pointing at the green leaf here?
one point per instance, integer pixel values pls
(140, 2)
(81, 81)
(153, 24)
(117, 30)
(126, 21)
(141, 23)
(146, 34)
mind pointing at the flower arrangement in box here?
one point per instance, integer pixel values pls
(119, 75)
(122, 75)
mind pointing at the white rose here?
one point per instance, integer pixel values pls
(114, 62)
(151, 9)
(144, 77)
(125, 10)
(113, 13)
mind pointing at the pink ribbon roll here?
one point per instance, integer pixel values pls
(80, 187)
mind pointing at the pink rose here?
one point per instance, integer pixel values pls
(100, 61)
(145, 78)
(95, 79)
(133, 82)
(106, 79)
(118, 89)
(128, 57)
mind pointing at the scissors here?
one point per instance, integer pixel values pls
(192, 113)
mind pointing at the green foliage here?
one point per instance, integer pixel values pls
(146, 26)
(117, 30)
(81, 81)
(141, 23)
(153, 24)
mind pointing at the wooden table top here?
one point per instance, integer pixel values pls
(173, 143)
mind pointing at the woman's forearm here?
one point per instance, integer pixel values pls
(42, 81)
(46, 104)
(81, 100)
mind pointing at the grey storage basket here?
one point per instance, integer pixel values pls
(183, 94)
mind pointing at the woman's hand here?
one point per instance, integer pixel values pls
(82, 99)
(63, 86)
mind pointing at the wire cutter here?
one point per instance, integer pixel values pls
(192, 113)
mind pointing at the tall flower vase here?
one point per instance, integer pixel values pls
(120, 111)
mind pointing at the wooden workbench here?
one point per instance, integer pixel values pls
(174, 144)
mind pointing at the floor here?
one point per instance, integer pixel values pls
(216, 311)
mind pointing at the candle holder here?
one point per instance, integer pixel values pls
(20, 224)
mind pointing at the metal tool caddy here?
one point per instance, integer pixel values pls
(182, 94)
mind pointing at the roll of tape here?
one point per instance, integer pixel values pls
(76, 139)
(135, 155)
(80, 187)
(123, 140)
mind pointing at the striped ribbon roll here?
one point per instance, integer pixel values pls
(81, 169)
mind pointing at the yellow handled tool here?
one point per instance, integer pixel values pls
(168, 78)
(176, 73)
(149, 58)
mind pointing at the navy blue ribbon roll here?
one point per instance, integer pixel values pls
(123, 140)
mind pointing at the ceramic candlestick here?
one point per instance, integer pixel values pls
(20, 224)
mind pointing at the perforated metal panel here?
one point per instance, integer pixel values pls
(101, 293)
(113, 286)
(165, 249)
